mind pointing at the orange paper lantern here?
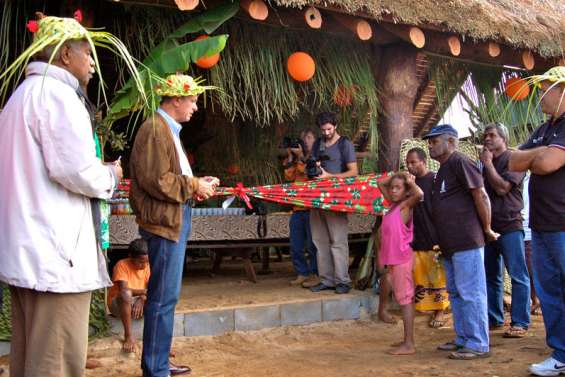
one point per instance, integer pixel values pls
(517, 88)
(207, 62)
(300, 66)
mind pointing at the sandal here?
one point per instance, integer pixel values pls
(515, 332)
(437, 323)
(449, 346)
(468, 354)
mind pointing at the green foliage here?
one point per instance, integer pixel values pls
(171, 56)
(97, 321)
(256, 87)
(484, 95)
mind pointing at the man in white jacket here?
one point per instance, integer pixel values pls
(49, 172)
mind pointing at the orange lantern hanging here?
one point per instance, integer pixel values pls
(343, 95)
(517, 89)
(207, 62)
(300, 66)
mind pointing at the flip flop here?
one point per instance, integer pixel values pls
(515, 332)
(437, 323)
(468, 354)
(449, 346)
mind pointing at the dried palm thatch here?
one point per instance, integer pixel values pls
(537, 25)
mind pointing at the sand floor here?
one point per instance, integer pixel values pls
(231, 288)
(345, 348)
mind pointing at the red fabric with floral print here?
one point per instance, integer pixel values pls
(353, 194)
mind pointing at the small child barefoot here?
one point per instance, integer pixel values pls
(403, 349)
(129, 345)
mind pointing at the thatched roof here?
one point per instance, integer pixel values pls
(537, 25)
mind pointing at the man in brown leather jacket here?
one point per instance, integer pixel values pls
(162, 191)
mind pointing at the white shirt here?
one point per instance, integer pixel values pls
(49, 170)
(175, 129)
(526, 209)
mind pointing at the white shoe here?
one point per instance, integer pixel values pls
(549, 367)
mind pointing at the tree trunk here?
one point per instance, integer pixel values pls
(398, 89)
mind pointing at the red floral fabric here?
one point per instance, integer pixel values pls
(353, 194)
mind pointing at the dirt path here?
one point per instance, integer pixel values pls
(347, 348)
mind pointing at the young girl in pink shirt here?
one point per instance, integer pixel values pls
(396, 253)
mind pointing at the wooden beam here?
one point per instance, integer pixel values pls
(359, 26)
(410, 34)
(493, 49)
(187, 4)
(451, 44)
(313, 17)
(256, 9)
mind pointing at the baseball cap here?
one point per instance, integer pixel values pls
(441, 129)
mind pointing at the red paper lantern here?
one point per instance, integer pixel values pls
(517, 88)
(233, 169)
(343, 95)
(207, 62)
(300, 66)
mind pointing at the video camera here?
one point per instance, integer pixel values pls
(312, 169)
(290, 142)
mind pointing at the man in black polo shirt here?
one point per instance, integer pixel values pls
(544, 155)
(504, 189)
(461, 215)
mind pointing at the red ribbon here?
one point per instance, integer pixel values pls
(240, 192)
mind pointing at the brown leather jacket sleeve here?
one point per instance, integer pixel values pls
(156, 164)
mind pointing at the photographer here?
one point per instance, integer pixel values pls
(335, 157)
(298, 151)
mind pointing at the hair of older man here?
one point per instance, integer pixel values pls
(500, 129)
(47, 54)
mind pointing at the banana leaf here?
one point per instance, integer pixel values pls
(170, 57)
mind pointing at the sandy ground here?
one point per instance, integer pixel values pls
(231, 288)
(346, 348)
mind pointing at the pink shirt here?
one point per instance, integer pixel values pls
(395, 239)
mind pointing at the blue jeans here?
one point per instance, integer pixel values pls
(467, 288)
(166, 260)
(548, 254)
(510, 248)
(301, 237)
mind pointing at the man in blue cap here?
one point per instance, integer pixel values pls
(461, 215)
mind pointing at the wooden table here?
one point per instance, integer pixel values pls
(238, 235)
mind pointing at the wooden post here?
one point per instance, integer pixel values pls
(399, 86)
(359, 26)
(187, 4)
(313, 17)
(256, 9)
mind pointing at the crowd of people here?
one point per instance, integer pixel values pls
(52, 257)
(450, 235)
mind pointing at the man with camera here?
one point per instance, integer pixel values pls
(334, 156)
(298, 152)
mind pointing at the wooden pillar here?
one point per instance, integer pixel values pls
(398, 88)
